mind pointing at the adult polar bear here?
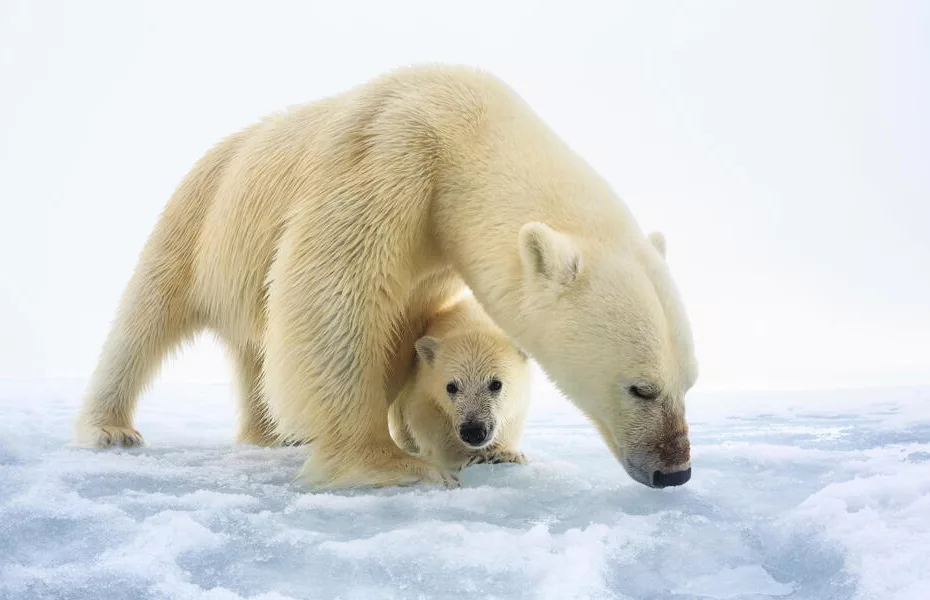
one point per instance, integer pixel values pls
(314, 242)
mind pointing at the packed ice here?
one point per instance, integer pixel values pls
(817, 495)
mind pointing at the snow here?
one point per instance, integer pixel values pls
(816, 495)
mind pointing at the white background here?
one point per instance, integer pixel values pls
(783, 148)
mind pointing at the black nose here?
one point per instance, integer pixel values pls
(661, 480)
(473, 434)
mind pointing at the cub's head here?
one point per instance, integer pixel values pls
(472, 376)
(607, 325)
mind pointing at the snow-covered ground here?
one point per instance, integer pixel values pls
(814, 495)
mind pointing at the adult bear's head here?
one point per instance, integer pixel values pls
(606, 324)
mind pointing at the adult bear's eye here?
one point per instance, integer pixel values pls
(644, 392)
(495, 385)
(452, 388)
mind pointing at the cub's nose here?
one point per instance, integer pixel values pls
(473, 434)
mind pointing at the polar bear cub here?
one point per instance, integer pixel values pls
(468, 395)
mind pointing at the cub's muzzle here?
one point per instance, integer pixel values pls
(474, 433)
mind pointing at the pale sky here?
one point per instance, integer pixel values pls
(782, 147)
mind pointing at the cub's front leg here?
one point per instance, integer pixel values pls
(496, 454)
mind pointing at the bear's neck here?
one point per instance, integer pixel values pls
(492, 182)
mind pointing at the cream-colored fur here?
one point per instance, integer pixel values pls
(315, 242)
(462, 346)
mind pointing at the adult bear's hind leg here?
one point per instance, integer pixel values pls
(152, 320)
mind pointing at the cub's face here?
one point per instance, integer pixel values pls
(470, 378)
(608, 328)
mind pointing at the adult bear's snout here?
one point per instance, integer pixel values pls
(661, 480)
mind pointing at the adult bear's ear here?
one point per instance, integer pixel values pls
(427, 347)
(658, 242)
(549, 254)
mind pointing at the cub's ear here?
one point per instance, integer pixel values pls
(549, 254)
(426, 348)
(658, 241)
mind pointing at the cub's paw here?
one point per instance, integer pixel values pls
(108, 436)
(496, 456)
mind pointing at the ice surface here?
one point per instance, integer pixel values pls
(816, 495)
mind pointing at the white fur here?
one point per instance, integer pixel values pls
(462, 345)
(316, 241)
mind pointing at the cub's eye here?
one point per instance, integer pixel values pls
(644, 392)
(452, 388)
(495, 385)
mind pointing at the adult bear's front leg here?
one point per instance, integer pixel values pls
(341, 463)
(329, 337)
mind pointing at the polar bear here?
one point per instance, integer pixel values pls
(315, 241)
(467, 399)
